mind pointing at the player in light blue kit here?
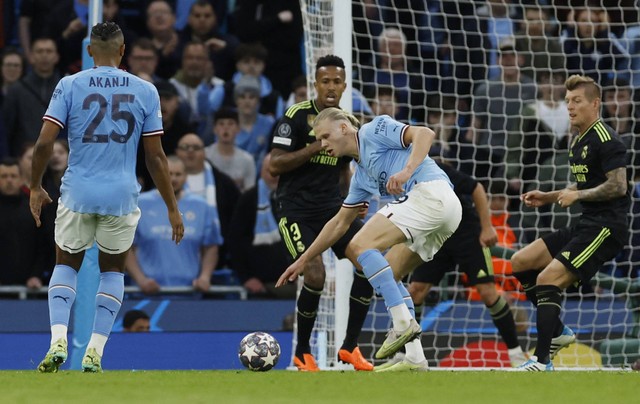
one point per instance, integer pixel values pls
(391, 160)
(105, 112)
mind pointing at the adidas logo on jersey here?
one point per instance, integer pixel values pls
(566, 254)
(482, 273)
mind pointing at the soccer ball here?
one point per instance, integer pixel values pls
(259, 351)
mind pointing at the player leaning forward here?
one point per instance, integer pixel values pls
(391, 160)
(105, 111)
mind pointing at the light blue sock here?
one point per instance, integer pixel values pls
(407, 299)
(62, 294)
(108, 301)
(380, 276)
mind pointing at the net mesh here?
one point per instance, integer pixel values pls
(488, 78)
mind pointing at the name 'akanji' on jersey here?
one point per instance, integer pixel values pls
(108, 82)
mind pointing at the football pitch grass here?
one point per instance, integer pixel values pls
(323, 387)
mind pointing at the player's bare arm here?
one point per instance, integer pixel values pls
(614, 187)
(535, 199)
(158, 167)
(283, 161)
(41, 154)
(331, 232)
(421, 138)
(488, 235)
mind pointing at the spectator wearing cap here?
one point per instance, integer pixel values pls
(497, 104)
(250, 60)
(255, 128)
(175, 122)
(225, 155)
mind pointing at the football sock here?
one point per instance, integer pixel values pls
(549, 305)
(61, 295)
(108, 302)
(414, 351)
(407, 299)
(379, 273)
(528, 281)
(308, 302)
(504, 322)
(359, 300)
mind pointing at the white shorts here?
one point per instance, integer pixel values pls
(428, 215)
(75, 232)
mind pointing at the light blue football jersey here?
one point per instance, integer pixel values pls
(159, 257)
(106, 111)
(382, 154)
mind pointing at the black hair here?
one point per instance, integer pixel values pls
(105, 31)
(226, 113)
(201, 3)
(9, 161)
(299, 81)
(329, 60)
(132, 316)
(251, 50)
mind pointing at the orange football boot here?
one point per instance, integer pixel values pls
(355, 358)
(306, 364)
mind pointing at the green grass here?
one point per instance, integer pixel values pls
(189, 387)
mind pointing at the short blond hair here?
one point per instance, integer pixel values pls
(336, 114)
(591, 88)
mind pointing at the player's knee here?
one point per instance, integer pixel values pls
(418, 291)
(314, 274)
(355, 248)
(520, 262)
(488, 292)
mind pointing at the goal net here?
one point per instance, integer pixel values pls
(488, 78)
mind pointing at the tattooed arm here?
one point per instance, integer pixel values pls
(614, 187)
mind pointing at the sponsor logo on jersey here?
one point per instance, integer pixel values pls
(585, 151)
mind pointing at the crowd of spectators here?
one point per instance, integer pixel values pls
(487, 76)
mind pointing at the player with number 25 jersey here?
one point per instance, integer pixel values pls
(105, 111)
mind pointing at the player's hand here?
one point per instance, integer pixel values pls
(254, 286)
(395, 184)
(285, 16)
(534, 199)
(149, 286)
(38, 198)
(202, 283)
(215, 44)
(292, 272)
(34, 283)
(175, 218)
(488, 236)
(567, 197)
